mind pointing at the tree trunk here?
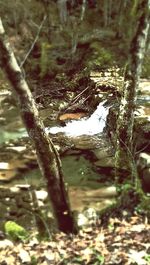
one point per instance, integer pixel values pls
(119, 21)
(107, 10)
(48, 158)
(124, 150)
(105, 13)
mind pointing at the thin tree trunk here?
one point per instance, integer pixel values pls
(122, 5)
(124, 151)
(48, 158)
(105, 13)
(107, 9)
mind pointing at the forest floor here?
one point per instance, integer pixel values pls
(122, 241)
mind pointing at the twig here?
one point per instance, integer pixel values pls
(76, 98)
(142, 149)
(35, 40)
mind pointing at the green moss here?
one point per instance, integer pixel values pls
(45, 60)
(146, 66)
(15, 231)
(144, 206)
(100, 56)
(34, 260)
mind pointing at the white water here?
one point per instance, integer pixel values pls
(90, 126)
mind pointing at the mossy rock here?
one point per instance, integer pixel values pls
(15, 231)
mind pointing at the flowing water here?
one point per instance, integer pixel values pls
(95, 124)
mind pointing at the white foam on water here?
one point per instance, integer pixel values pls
(90, 126)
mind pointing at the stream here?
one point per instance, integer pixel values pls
(84, 184)
(95, 124)
(86, 188)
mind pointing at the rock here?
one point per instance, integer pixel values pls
(102, 153)
(144, 160)
(71, 116)
(146, 180)
(82, 220)
(4, 165)
(24, 256)
(15, 231)
(91, 214)
(6, 244)
(14, 189)
(105, 162)
(143, 166)
(144, 86)
(103, 192)
(17, 148)
(23, 186)
(41, 195)
(2, 235)
(88, 142)
(7, 175)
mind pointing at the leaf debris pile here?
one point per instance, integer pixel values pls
(125, 241)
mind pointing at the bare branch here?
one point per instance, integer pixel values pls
(35, 40)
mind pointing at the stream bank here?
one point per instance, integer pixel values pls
(88, 159)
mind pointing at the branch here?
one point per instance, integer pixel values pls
(35, 40)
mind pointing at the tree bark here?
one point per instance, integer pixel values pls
(124, 148)
(122, 5)
(48, 158)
